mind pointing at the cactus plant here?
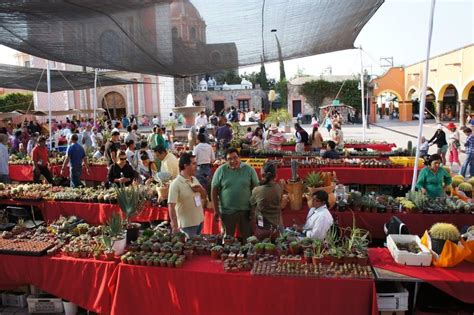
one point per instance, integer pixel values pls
(445, 231)
(471, 181)
(410, 147)
(460, 177)
(456, 182)
(465, 187)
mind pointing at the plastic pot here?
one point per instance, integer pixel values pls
(133, 231)
(69, 308)
(119, 246)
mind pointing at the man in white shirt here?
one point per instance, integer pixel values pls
(201, 120)
(319, 219)
(132, 156)
(169, 162)
(130, 135)
(185, 199)
(155, 121)
(204, 158)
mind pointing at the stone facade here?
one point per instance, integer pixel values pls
(240, 99)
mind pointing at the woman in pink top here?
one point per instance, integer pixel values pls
(275, 138)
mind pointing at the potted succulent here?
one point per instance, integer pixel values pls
(318, 252)
(442, 232)
(117, 234)
(109, 252)
(164, 180)
(259, 248)
(130, 200)
(294, 248)
(216, 251)
(270, 248)
(308, 255)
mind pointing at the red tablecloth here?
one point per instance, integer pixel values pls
(202, 287)
(82, 281)
(386, 147)
(93, 213)
(358, 175)
(457, 281)
(24, 173)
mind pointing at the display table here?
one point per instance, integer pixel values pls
(457, 281)
(202, 287)
(385, 147)
(84, 282)
(24, 173)
(357, 175)
(93, 213)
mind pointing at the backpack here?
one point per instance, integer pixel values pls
(304, 136)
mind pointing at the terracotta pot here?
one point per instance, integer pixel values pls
(215, 254)
(329, 190)
(295, 194)
(317, 259)
(362, 260)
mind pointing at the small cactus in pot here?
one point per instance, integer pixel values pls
(442, 232)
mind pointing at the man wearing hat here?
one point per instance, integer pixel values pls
(39, 155)
(453, 144)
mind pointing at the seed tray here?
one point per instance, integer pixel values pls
(299, 269)
(24, 247)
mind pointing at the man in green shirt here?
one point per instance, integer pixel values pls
(232, 186)
(156, 138)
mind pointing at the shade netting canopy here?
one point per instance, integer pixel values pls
(180, 37)
(34, 79)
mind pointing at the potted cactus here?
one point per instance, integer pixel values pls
(164, 180)
(295, 188)
(216, 251)
(466, 188)
(130, 200)
(442, 232)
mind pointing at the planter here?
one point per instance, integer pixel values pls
(349, 259)
(317, 260)
(437, 245)
(295, 193)
(119, 246)
(362, 260)
(133, 231)
(69, 308)
(329, 190)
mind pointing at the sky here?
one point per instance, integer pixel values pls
(399, 29)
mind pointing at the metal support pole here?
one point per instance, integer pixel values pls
(364, 121)
(95, 96)
(48, 80)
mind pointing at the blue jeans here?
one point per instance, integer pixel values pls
(191, 231)
(203, 174)
(75, 174)
(469, 161)
(4, 178)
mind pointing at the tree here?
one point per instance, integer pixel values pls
(16, 101)
(281, 87)
(316, 91)
(229, 77)
(262, 79)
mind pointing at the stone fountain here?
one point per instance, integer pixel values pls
(189, 111)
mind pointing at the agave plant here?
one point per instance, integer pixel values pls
(114, 227)
(314, 180)
(278, 116)
(163, 178)
(130, 200)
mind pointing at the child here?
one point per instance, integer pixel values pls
(424, 147)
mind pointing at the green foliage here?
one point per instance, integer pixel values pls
(115, 226)
(262, 78)
(316, 91)
(281, 87)
(278, 116)
(229, 77)
(314, 180)
(130, 199)
(16, 101)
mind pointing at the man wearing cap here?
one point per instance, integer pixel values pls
(39, 155)
(76, 157)
(111, 148)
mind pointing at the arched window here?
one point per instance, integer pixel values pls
(216, 57)
(174, 32)
(192, 33)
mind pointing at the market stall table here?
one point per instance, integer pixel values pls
(357, 175)
(385, 147)
(81, 281)
(202, 287)
(24, 173)
(457, 281)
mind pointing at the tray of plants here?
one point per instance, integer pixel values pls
(24, 247)
(408, 250)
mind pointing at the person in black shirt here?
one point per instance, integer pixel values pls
(121, 172)
(111, 148)
(439, 138)
(331, 152)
